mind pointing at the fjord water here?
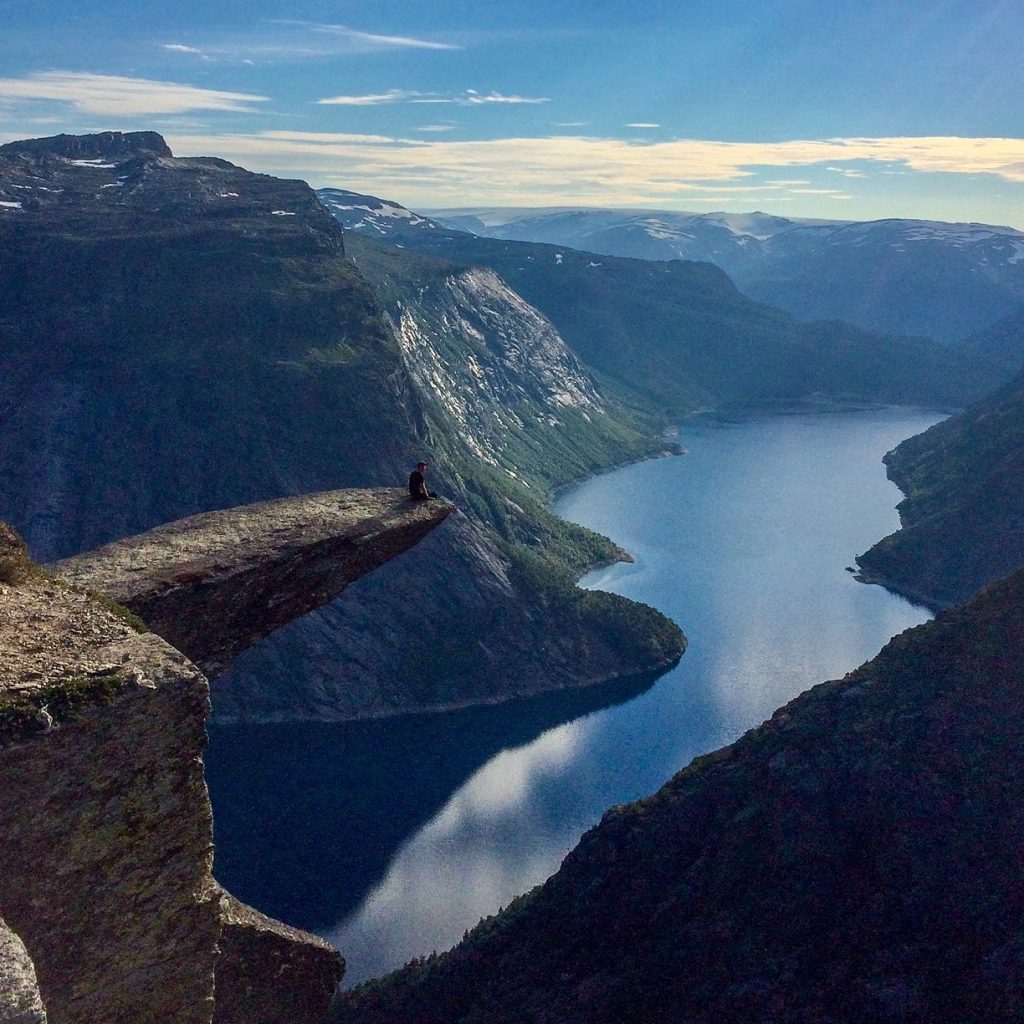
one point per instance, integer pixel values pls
(390, 838)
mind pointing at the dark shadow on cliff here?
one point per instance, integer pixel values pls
(305, 824)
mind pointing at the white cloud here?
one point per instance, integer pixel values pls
(436, 128)
(120, 96)
(468, 98)
(556, 169)
(371, 40)
(291, 40)
(642, 124)
(471, 98)
(371, 99)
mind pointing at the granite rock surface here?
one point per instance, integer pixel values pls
(216, 583)
(106, 842)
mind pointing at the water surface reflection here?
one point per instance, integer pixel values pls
(415, 828)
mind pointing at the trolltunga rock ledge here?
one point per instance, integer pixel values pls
(111, 914)
(216, 583)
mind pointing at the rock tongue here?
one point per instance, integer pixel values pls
(103, 145)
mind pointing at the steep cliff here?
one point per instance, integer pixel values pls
(180, 335)
(106, 854)
(856, 858)
(217, 583)
(106, 836)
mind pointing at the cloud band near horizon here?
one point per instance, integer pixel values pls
(588, 169)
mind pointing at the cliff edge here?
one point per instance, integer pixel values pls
(110, 911)
(216, 583)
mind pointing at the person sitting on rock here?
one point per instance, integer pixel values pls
(418, 483)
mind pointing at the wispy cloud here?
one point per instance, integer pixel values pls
(371, 99)
(291, 40)
(372, 40)
(643, 124)
(467, 98)
(472, 98)
(588, 170)
(436, 128)
(121, 96)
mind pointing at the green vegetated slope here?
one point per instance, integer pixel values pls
(494, 373)
(963, 515)
(856, 858)
(675, 336)
(178, 335)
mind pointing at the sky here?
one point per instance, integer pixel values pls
(853, 109)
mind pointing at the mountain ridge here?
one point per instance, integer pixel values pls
(675, 336)
(893, 276)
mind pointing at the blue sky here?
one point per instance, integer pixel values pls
(851, 110)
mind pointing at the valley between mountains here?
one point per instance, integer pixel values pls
(180, 336)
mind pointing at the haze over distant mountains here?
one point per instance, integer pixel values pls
(893, 276)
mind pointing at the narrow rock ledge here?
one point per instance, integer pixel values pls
(216, 583)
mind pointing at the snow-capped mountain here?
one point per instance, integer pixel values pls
(897, 276)
(370, 215)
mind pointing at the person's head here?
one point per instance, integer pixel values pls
(421, 466)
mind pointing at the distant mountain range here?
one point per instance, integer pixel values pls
(892, 276)
(678, 335)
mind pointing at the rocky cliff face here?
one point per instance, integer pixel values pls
(106, 850)
(20, 1001)
(856, 858)
(106, 839)
(217, 583)
(180, 335)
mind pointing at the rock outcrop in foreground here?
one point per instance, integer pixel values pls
(110, 913)
(215, 584)
(857, 858)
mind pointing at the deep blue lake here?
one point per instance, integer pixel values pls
(390, 838)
